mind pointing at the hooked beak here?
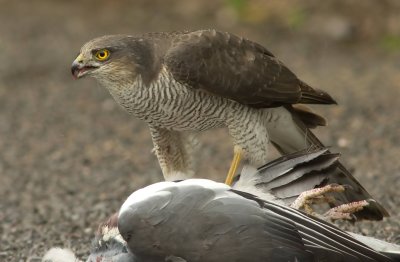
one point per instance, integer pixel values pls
(79, 69)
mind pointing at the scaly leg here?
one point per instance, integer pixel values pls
(234, 166)
(250, 137)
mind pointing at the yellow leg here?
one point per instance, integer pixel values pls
(234, 165)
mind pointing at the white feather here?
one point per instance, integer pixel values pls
(57, 254)
(160, 190)
(144, 193)
(247, 183)
(111, 233)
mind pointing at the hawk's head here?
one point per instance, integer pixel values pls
(113, 58)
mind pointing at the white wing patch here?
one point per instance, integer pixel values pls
(145, 193)
(247, 183)
(160, 190)
(205, 183)
(57, 254)
(111, 233)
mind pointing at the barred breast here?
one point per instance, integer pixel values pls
(168, 104)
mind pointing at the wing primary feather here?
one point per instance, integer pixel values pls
(327, 233)
(238, 69)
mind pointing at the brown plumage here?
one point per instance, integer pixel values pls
(236, 68)
(185, 82)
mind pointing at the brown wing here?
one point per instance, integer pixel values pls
(226, 65)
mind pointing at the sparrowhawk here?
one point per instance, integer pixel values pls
(181, 83)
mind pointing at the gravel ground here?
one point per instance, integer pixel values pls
(70, 156)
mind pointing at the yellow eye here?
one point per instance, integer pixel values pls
(102, 55)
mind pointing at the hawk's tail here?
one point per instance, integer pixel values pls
(293, 136)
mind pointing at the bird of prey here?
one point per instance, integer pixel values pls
(182, 83)
(201, 220)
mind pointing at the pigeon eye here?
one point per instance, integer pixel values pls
(102, 55)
